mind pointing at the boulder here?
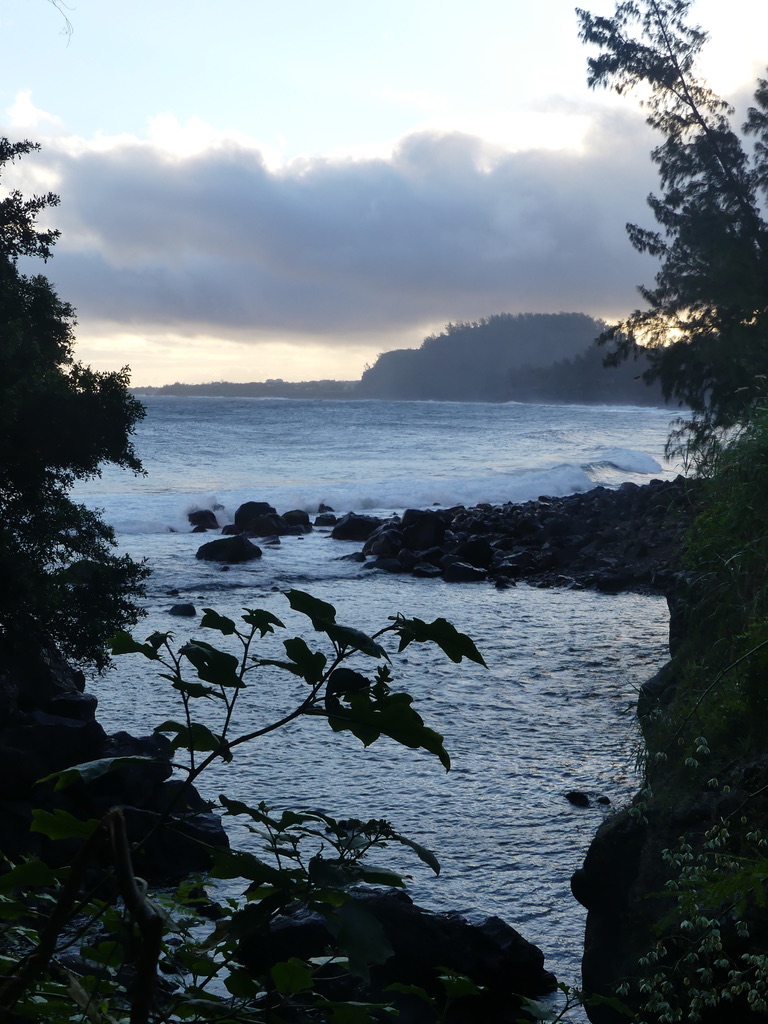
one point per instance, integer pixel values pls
(424, 944)
(203, 519)
(462, 572)
(184, 611)
(355, 527)
(232, 550)
(422, 530)
(250, 511)
(326, 519)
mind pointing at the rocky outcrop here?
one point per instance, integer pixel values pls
(48, 724)
(424, 945)
(609, 540)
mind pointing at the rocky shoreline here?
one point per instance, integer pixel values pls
(609, 540)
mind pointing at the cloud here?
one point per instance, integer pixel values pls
(216, 240)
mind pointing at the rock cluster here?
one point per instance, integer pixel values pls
(610, 540)
(48, 725)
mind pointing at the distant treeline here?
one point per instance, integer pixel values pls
(534, 357)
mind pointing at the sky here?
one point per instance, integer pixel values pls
(254, 190)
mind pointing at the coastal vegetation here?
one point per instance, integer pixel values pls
(60, 421)
(674, 884)
(528, 357)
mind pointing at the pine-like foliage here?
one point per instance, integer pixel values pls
(706, 320)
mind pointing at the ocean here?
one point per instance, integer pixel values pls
(554, 710)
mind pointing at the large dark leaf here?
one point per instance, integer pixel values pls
(454, 644)
(213, 666)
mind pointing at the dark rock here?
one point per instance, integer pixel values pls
(229, 549)
(461, 572)
(427, 571)
(424, 945)
(203, 519)
(81, 706)
(477, 551)
(355, 527)
(326, 519)
(386, 541)
(298, 517)
(322, 507)
(268, 525)
(422, 529)
(187, 611)
(250, 511)
(577, 798)
(387, 563)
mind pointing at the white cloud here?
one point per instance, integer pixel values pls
(194, 233)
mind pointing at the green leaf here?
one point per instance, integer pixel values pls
(241, 864)
(59, 824)
(332, 873)
(311, 664)
(454, 644)
(351, 1012)
(410, 990)
(346, 636)
(110, 953)
(213, 666)
(368, 715)
(263, 621)
(197, 737)
(123, 643)
(90, 770)
(241, 984)
(212, 620)
(458, 985)
(421, 852)
(292, 977)
(260, 813)
(28, 874)
(320, 612)
(380, 876)
(360, 936)
(536, 1009)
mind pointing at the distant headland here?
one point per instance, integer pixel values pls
(524, 357)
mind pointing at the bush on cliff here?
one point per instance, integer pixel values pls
(60, 422)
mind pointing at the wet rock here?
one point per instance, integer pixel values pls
(187, 611)
(232, 550)
(577, 798)
(355, 527)
(326, 519)
(249, 512)
(203, 519)
(462, 572)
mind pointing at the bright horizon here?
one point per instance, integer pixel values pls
(288, 191)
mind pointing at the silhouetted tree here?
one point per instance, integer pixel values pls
(707, 316)
(59, 422)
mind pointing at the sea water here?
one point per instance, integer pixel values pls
(554, 710)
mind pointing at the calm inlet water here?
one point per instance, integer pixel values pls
(554, 710)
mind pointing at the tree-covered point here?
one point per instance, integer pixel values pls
(59, 422)
(706, 320)
(474, 361)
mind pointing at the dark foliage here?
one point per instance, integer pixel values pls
(707, 315)
(59, 422)
(473, 361)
